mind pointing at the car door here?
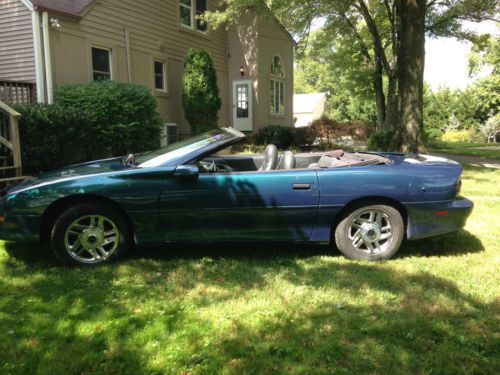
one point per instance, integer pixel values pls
(272, 205)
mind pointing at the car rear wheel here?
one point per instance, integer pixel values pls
(90, 234)
(370, 232)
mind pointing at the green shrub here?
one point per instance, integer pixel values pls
(200, 94)
(467, 136)
(327, 131)
(281, 136)
(300, 136)
(122, 117)
(432, 136)
(51, 136)
(380, 141)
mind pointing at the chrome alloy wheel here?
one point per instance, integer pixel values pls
(91, 239)
(370, 231)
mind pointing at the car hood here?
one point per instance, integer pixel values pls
(73, 171)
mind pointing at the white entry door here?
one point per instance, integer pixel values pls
(242, 105)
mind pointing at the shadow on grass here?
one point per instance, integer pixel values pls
(125, 319)
(457, 243)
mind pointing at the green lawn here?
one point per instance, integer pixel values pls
(262, 310)
(468, 149)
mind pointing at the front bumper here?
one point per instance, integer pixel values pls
(434, 218)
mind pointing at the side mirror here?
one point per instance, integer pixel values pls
(187, 172)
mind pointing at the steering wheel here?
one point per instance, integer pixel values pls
(213, 167)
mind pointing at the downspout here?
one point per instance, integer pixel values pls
(47, 56)
(37, 43)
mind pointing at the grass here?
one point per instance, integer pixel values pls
(468, 149)
(261, 309)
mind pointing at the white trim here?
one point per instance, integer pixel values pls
(275, 79)
(37, 44)
(282, 66)
(163, 62)
(47, 56)
(28, 5)
(246, 125)
(194, 22)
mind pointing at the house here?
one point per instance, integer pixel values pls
(47, 43)
(308, 107)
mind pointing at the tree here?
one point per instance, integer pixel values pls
(200, 94)
(390, 34)
(332, 67)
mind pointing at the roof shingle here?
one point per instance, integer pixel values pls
(72, 8)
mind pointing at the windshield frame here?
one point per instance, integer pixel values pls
(193, 147)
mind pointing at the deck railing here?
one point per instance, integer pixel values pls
(13, 92)
(10, 148)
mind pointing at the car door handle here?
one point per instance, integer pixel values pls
(301, 186)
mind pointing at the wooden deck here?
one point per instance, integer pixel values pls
(10, 148)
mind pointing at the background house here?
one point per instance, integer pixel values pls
(48, 43)
(308, 107)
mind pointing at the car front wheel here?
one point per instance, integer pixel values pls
(90, 234)
(371, 232)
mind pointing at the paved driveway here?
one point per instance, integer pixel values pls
(472, 160)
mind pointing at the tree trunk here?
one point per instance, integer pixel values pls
(411, 60)
(378, 86)
(391, 117)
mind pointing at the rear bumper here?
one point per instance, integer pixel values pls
(434, 218)
(22, 228)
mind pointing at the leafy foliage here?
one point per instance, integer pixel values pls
(386, 39)
(335, 70)
(52, 136)
(122, 117)
(380, 141)
(459, 136)
(491, 128)
(200, 94)
(281, 136)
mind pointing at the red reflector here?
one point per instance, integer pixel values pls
(2, 218)
(442, 213)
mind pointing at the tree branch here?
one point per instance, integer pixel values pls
(372, 28)
(363, 46)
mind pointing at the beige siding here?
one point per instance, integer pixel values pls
(253, 41)
(243, 52)
(17, 62)
(274, 40)
(154, 32)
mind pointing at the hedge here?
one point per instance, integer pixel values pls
(122, 116)
(89, 121)
(51, 136)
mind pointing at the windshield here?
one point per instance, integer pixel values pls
(167, 154)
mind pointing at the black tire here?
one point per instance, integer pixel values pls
(88, 216)
(371, 233)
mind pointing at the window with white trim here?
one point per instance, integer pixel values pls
(101, 64)
(277, 92)
(160, 75)
(190, 12)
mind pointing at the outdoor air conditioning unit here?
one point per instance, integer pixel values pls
(169, 134)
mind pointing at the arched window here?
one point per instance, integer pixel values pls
(277, 80)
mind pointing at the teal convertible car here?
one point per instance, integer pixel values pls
(364, 204)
